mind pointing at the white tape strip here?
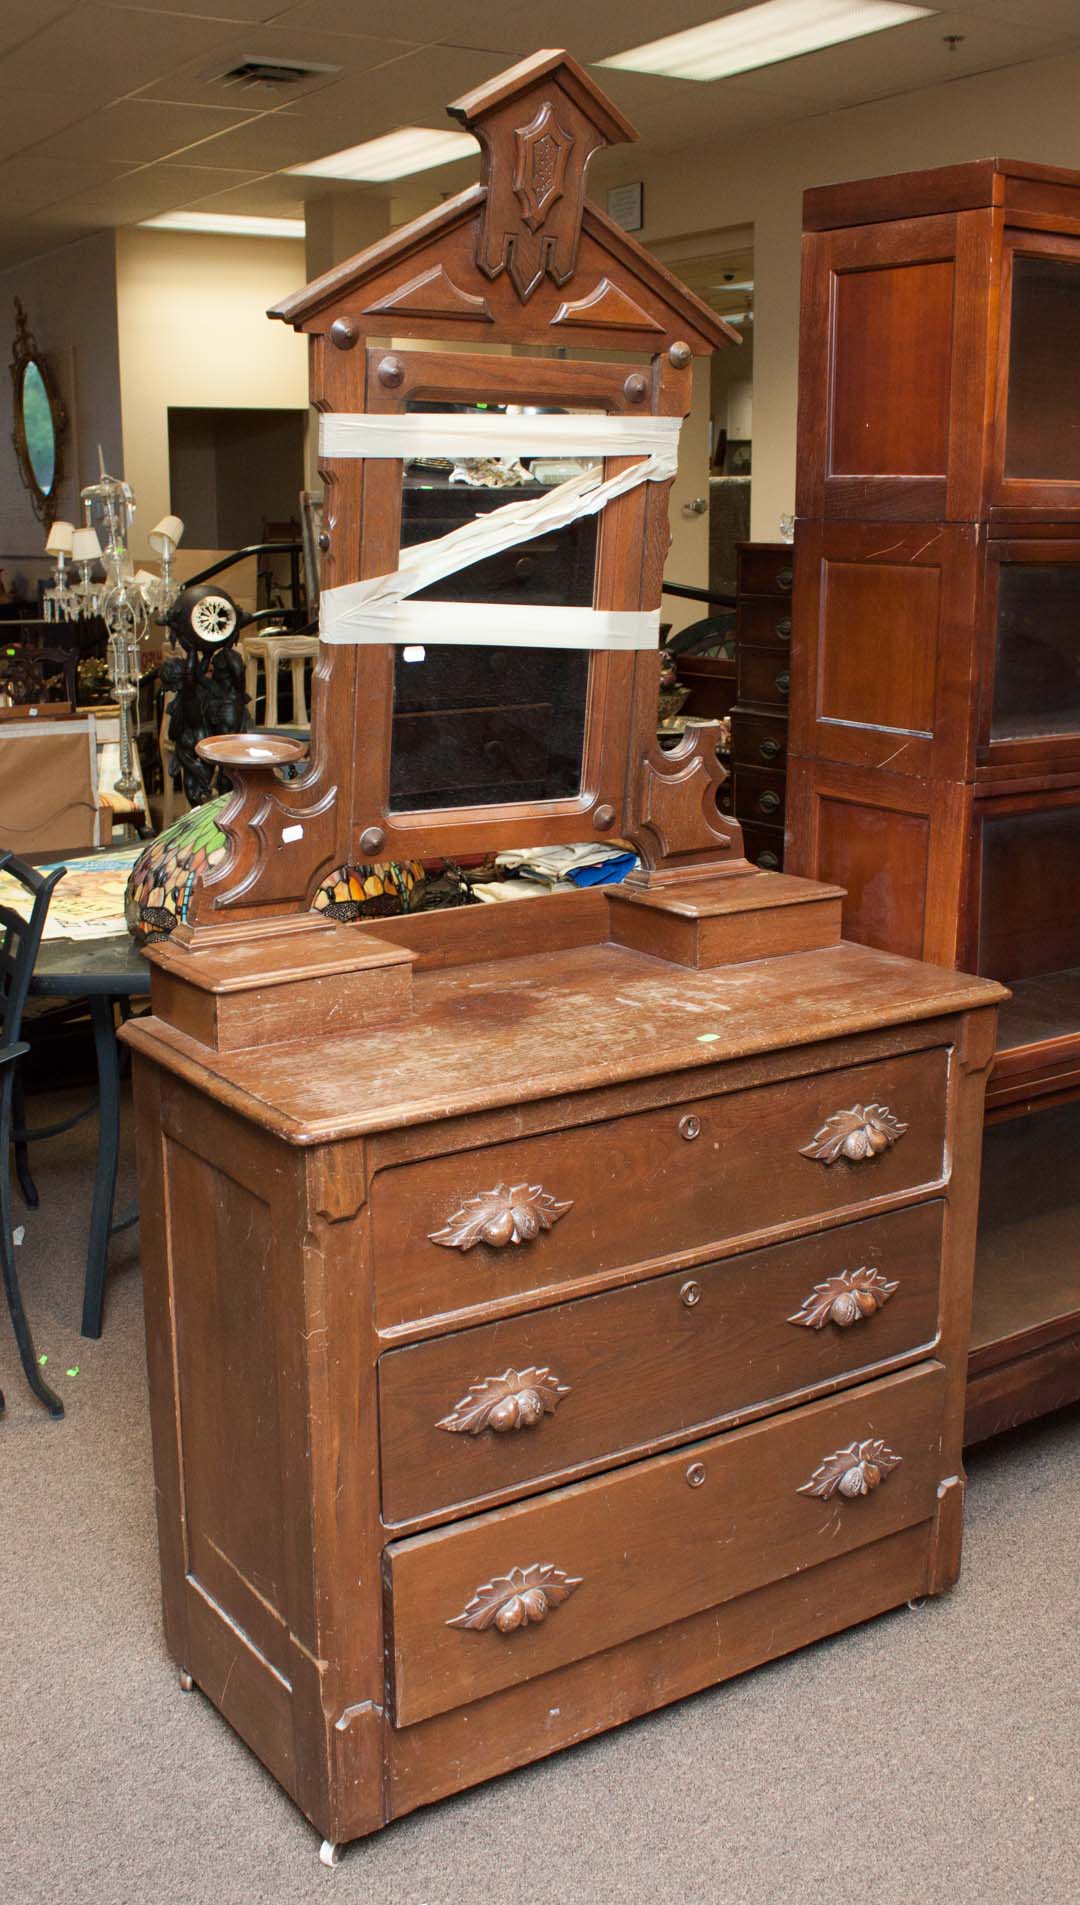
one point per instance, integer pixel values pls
(488, 625)
(484, 433)
(374, 610)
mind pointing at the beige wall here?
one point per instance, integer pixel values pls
(193, 331)
(1027, 112)
(70, 302)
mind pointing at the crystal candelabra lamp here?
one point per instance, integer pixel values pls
(128, 600)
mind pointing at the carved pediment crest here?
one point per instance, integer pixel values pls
(542, 150)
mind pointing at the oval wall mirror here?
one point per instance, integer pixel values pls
(39, 421)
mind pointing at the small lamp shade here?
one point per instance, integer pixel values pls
(60, 539)
(165, 535)
(85, 546)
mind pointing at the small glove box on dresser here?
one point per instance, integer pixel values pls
(552, 1308)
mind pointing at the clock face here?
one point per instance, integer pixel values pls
(213, 619)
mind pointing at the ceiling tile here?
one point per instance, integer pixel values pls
(141, 194)
(139, 131)
(29, 184)
(213, 12)
(903, 59)
(98, 52)
(272, 197)
(18, 23)
(199, 80)
(30, 117)
(1047, 16)
(268, 144)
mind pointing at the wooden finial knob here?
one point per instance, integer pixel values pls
(679, 356)
(344, 334)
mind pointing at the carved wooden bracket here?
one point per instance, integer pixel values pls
(844, 1299)
(676, 810)
(518, 1399)
(522, 1598)
(863, 1132)
(505, 1215)
(856, 1470)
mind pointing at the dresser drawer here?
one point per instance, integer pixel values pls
(759, 795)
(763, 623)
(766, 570)
(675, 1355)
(763, 846)
(759, 740)
(764, 675)
(631, 1552)
(642, 1188)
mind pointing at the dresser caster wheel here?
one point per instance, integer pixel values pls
(187, 1684)
(918, 1604)
(329, 1853)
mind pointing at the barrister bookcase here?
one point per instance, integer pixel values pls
(552, 1308)
(935, 735)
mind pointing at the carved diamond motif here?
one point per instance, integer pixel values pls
(542, 151)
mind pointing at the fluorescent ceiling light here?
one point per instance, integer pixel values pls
(744, 284)
(762, 35)
(409, 149)
(225, 224)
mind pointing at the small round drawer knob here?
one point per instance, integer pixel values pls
(768, 802)
(695, 1474)
(768, 862)
(769, 750)
(690, 1294)
(783, 682)
(690, 1127)
(854, 1471)
(784, 578)
(783, 628)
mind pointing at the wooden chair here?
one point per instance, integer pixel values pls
(273, 653)
(19, 942)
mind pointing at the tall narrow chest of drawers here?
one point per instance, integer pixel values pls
(759, 718)
(535, 1339)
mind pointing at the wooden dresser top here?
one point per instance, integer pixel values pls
(501, 1031)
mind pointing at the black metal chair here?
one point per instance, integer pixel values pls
(19, 942)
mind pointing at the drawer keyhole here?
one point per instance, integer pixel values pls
(690, 1127)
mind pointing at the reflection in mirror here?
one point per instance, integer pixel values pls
(38, 427)
(482, 726)
(39, 421)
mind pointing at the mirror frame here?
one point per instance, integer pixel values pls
(24, 353)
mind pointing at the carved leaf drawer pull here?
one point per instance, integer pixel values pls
(518, 1399)
(863, 1132)
(853, 1471)
(844, 1299)
(522, 1598)
(513, 1214)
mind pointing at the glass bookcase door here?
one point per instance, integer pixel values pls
(1037, 649)
(485, 726)
(1042, 436)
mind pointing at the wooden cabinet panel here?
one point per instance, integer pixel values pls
(891, 358)
(643, 1188)
(654, 1542)
(636, 1366)
(765, 568)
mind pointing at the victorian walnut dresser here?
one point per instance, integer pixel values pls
(552, 1308)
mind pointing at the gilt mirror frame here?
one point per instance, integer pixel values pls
(26, 357)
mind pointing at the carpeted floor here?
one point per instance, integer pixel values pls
(929, 1758)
